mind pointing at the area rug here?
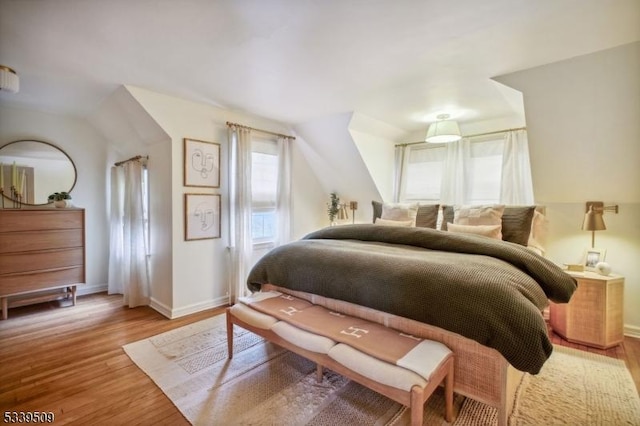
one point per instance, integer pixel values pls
(265, 384)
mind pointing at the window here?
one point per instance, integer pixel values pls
(264, 187)
(485, 172)
(429, 167)
(425, 169)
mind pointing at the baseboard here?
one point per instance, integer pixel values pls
(160, 307)
(632, 331)
(83, 289)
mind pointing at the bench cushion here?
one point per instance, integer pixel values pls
(426, 358)
(253, 317)
(375, 369)
(303, 339)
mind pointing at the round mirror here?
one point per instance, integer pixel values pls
(34, 170)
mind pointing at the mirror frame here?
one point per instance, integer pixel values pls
(75, 170)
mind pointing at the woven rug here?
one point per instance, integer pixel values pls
(264, 384)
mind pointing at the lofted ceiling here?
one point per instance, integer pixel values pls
(401, 62)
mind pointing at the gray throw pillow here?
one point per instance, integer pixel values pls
(516, 222)
(427, 216)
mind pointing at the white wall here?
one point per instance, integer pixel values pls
(88, 150)
(334, 158)
(130, 131)
(376, 141)
(584, 141)
(199, 276)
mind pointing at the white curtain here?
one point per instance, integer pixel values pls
(485, 171)
(128, 248)
(283, 197)
(240, 244)
(401, 159)
(454, 179)
(517, 186)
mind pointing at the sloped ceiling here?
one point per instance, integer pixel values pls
(401, 62)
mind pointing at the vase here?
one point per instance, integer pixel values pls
(61, 204)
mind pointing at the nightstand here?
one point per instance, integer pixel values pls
(594, 315)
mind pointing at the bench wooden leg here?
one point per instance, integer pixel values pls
(319, 373)
(448, 393)
(229, 335)
(417, 406)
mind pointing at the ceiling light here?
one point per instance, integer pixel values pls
(9, 80)
(443, 130)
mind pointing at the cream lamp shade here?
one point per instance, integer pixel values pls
(443, 130)
(9, 81)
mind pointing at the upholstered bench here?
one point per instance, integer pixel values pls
(406, 369)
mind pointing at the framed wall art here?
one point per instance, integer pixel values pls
(201, 163)
(201, 216)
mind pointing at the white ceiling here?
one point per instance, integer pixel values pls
(400, 61)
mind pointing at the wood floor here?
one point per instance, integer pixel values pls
(70, 361)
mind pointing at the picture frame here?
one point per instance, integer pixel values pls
(201, 163)
(202, 216)
(591, 258)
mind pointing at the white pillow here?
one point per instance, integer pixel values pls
(491, 231)
(400, 211)
(478, 215)
(538, 235)
(388, 222)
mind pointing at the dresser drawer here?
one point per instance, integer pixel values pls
(34, 220)
(34, 281)
(13, 242)
(11, 263)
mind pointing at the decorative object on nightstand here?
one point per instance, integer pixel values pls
(592, 257)
(603, 268)
(594, 315)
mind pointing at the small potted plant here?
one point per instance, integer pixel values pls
(333, 207)
(60, 199)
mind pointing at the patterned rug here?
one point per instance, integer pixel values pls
(266, 385)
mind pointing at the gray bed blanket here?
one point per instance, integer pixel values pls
(487, 290)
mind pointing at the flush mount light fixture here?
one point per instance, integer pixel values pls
(9, 81)
(443, 130)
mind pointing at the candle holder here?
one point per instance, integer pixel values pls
(16, 198)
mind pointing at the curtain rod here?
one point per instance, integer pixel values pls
(470, 136)
(137, 157)
(260, 130)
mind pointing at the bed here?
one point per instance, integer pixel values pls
(481, 297)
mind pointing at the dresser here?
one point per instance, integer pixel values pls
(594, 315)
(42, 255)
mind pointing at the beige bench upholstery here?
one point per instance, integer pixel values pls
(410, 386)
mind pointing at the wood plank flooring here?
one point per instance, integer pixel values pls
(70, 361)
